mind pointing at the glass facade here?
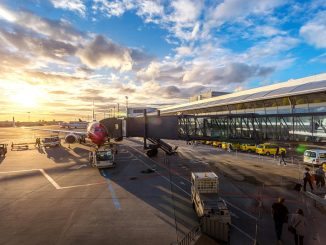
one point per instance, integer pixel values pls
(294, 118)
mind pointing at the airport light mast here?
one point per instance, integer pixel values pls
(126, 106)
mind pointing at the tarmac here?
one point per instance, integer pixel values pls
(53, 196)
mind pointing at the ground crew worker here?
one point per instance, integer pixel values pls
(320, 177)
(38, 142)
(307, 179)
(282, 158)
(280, 216)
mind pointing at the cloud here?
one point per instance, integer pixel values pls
(271, 47)
(97, 98)
(112, 7)
(183, 51)
(51, 78)
(33, 45)
(101, 53)
(185, 11)
(139, 58)
(58, 92)
(233, 9)
(150, 10)
(267, 31)
(168, 72)
(92, 91)
(73, 5)
(320, 58)
(314, 32)
(225, 75)
(172, 91)
(56, 29)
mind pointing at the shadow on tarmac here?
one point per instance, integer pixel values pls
(147, 185)
(62, 155)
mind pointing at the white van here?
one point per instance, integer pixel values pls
(102, 158)
(315, 157)
(51, 141)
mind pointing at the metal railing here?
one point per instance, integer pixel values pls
(191, 237)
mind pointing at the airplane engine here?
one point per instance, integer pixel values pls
(72, 138)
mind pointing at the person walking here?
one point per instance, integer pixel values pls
(307, 179)
(297, 222)
(38, 142)
(282, 158)
(320, 177)
(277, 152)
(280, 216)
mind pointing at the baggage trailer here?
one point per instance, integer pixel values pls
(212, 210)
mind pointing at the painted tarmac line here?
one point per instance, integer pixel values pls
(158, 164)
(50, 179)
(172, 183)
(232, 205)
(75, 186)
(115, 199)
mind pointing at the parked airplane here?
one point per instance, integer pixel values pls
(74, 124)
(96, 132)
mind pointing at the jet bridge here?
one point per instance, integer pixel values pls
(251, 128)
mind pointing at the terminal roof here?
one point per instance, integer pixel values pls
(292, 87)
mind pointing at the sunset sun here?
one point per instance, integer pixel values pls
(25, 96)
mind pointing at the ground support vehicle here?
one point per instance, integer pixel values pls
(20, 146)
(248, 147)
(53, 141)
(210, 208)
(269, 149)
(102, 157)
(315, 157)
(3, 150)
(231, 146)
(217, 144)
(225, 145)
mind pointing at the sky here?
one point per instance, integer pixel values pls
(58, 56)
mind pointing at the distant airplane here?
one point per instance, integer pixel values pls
(96, 132)
(74, 124)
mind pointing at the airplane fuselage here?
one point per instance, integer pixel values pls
(97, 133)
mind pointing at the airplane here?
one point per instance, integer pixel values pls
(74, 124)
(95, 131)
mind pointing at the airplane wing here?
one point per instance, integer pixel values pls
(60, 131)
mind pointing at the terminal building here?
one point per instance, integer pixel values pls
(292, 110)
(139, 111)
(288, 112)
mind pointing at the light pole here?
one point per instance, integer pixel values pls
(118, 109)
(126, 106)
(114, 111)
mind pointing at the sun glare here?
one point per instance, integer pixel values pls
(25, 96)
